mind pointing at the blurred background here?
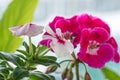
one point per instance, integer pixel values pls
(107, 10)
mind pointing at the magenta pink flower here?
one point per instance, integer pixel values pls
(27, 30)
(88, 21)
(94, 50)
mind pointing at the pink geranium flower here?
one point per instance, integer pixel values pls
(95, 51)
(68, 27)
(96, 45)
(27, 30)
(89, 21)
(57, 42)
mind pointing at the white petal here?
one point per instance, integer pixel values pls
(58, 31)
(49, 30)
(47, 37)
(62, 50)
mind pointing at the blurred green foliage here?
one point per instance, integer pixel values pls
(19, 12)
(110, 75)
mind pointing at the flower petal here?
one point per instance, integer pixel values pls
(84, 40)
(62, 50)
(103, 55)
(105, 52)
(99, 34)
(49, 31)
(45, 42)
(19, 30)
(27, 30)
(52, 24)
(34, 30)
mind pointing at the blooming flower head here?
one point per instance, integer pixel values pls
(69, 27)
(96, 45)
(27, 30)
(61, 46)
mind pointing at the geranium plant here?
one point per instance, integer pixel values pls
(84, 39)
(89, 34)
(80, 40)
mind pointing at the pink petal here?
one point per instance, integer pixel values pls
(113, 42)
(103, 55)
(99, 34)
(91, 60)
(52, 24)
(88, 21)
(45, 42)
(34, 30)
(19, 30)
(74, 26)
(96, 22)
(116, 57)
(84, 21)
(105, 52)
(63, 24)
(84, 41)
(27, 30)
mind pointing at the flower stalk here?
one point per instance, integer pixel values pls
(30, 47)
(76, 62)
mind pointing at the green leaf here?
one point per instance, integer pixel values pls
(20, 73)
(12, 58)
(46, 60)
(34, 48)
(23, 52)
(4, 69)
(26, 47)
(42, 50)
(19, 12)
(40, 76)
(110, 75)
(50, 57)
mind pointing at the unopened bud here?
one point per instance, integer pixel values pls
(87, 76)
(70, 75)
(64, 73)
(51, 68)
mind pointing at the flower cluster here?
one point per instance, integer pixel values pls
(88, 34)
(97, 47)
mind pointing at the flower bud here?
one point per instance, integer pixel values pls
(51, 68)
(69, 75)
(87, 76)
(64, 73)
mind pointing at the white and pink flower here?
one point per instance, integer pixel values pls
(27, 30)
(61, 46)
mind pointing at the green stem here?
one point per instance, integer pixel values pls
(30, 46)
(45, 52)
(65, 61)
(76, 66)
(77, 71)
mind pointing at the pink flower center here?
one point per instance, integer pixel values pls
(92, 47)
(67, 36)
